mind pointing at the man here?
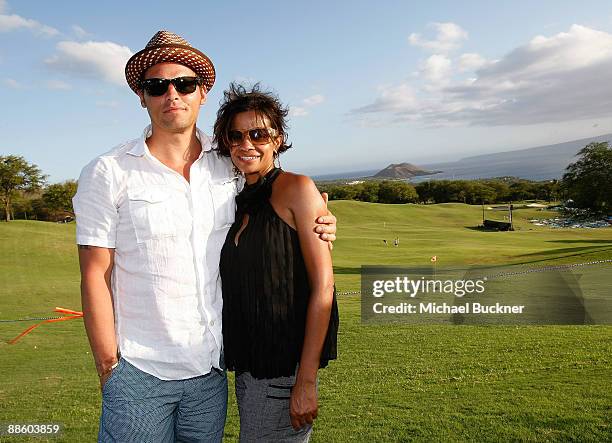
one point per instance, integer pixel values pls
(152, 215)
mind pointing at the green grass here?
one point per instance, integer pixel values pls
(391, 382)
(448, 232)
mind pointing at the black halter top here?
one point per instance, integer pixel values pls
(266, 290)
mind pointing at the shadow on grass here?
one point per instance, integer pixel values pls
(553, 259)
(577, 250)
(346, 270)
(481, 229)
(609, 242)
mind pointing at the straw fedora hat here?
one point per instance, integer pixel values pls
(166, 46)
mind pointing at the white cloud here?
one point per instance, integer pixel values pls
(57, 85)
(13, 22)
(49, 84)
(579, 48)
(12, 83)
(392, 98)
(298, 111)
(97, 60)
(79, 32)
(449, 36)
(313, 100)
(471, 62)
(308, 102)
(437, 69)
(3, 6)
(108, 104)
(245, 80)
(549, 79)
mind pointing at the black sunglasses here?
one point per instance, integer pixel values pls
(257, 136)
(156, 87)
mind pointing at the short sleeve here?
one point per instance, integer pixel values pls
(94, 206)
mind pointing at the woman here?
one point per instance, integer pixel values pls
(280, 317)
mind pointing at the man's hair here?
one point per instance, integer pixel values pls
(237, 99)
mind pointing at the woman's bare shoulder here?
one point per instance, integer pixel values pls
(295, 186)
(295, 195)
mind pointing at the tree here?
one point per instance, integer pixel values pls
(424, 190)
(501, 189)
(16, 174)
(588, 181)
(396, 192)
(482, 193)
(522, 190)
(441, 192)
(58, 197)
(367, 192)
(21, 206)
(548, 191)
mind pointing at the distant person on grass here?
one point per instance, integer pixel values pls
(152, 216)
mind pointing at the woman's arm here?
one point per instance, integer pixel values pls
(305, 205)
(326, 225)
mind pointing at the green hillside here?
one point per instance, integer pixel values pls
(391, 382)
(448, 232)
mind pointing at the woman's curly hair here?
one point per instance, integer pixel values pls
(237, 99)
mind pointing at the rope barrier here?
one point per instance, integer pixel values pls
(70, 316)
(78, 314)
(529, 271)
(28, 319)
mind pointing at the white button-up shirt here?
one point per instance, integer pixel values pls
(167, 234)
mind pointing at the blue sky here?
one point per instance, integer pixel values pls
(368, 83)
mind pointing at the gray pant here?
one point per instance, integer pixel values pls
(263, 406)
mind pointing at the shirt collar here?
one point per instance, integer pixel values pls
(140, 148)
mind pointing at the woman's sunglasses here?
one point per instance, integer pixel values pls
(156, 87)
(257, 136)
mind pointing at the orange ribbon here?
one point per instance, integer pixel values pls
(73, 315)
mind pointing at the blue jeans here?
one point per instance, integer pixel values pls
(138, 407)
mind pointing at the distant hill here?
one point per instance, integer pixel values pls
(402, 171)
(539, 163)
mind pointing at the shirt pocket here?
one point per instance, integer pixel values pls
(223, 196)
(151, 212)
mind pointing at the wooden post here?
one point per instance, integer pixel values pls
(483, 212)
